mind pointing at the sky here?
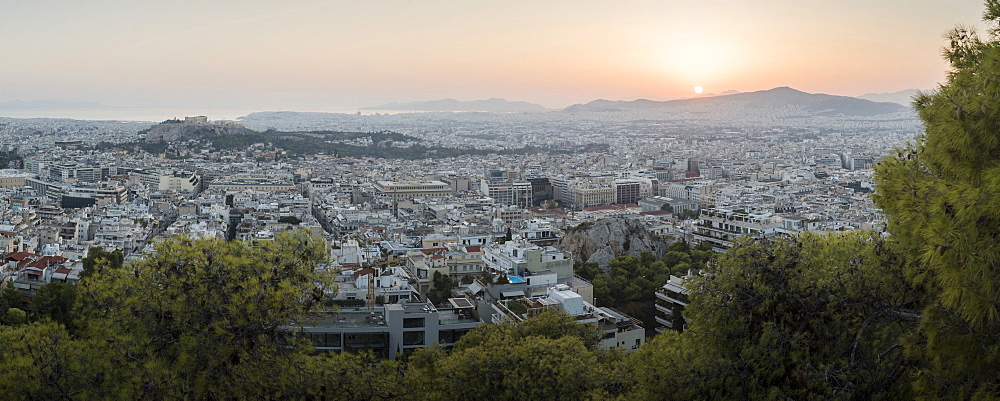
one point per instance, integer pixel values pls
(341, 54)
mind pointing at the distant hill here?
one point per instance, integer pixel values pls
(903, 97)
(190, 128)
(489, 105)
(777, 98)
(49, 104)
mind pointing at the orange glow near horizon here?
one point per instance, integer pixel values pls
(556, 53)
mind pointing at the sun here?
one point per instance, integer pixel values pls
(698, 90)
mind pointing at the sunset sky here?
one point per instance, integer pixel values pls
(341, 54)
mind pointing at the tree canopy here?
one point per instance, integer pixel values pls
(942, 196)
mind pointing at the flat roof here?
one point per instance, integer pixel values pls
(460, 303)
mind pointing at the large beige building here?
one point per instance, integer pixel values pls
(12, 178)
(593, 196)
(406, 190)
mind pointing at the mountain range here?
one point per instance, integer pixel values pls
(783, 97)
(903, 97)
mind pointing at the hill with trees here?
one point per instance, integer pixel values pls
(385, 144)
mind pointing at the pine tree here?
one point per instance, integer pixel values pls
(942, 199)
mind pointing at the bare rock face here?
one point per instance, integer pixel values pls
(606, 239)
(175, 131)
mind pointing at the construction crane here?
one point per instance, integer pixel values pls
(371, 281)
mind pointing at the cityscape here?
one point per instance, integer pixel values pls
(729, 241)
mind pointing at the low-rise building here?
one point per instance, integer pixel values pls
(618, 330)
(392, 330)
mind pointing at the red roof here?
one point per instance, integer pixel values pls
(64, 270)
(18, 256)
(474, 248)
(45, 261)
(363, 272)
(437, 257)
(428, 251)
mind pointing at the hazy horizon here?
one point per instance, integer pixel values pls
(325, 55)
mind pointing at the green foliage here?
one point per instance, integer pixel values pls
(7, 157)
(441, 286)
(200, 313)
(153, 148)
(289, 220)
(15, 316)
(544, 357)
(328, 142)
(54, 301)
(688, 214)
(333, 376)
(817, 317)
(43, 362)
(549, 324)
(942, 196)
(580, 227)
(588, 271)
(632, 282)
(97, 259)
(10, 298)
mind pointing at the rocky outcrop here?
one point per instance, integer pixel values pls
(606, 239)
(175, 130)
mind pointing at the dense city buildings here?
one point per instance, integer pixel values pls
(424, 249)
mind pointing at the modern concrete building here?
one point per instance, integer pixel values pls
(392, 330)
(617, 329)
(522, 258)
(670, 302)
(655, 203)
(721, 227)
(508, 193)
(453, 260)
(627, 191)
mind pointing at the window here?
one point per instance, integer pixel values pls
(325, 339)
(413, 338)
(412, 322)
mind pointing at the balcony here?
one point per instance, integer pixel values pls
(665, 297)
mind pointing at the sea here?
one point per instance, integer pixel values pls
(158, 114)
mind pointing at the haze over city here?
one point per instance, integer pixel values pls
(337, 55)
